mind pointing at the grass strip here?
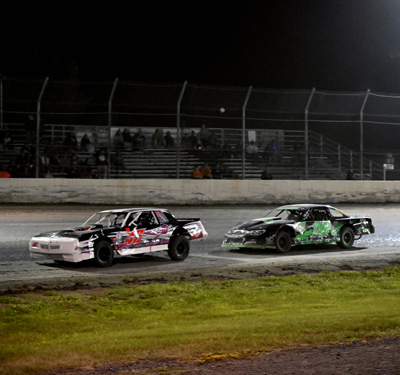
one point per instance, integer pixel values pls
(194, 320)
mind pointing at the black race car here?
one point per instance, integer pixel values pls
(299, 224)
(120, 232)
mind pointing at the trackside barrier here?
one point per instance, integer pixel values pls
(156, 192)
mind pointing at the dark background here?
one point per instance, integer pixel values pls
(339, 45)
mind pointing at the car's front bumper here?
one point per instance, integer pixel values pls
(247, 241)
(59, 249)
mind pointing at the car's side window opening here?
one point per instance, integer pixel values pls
(119, 219)
(336, 214)
(320, 214)
(161, 217)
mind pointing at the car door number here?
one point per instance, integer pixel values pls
(309, 232)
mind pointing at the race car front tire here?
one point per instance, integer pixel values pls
(103, 254)
(283, 242)
(179, 248)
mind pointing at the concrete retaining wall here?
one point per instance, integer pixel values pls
(182, 192)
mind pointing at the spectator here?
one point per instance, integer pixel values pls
(86, 144)
(136, 143)
(227, 152)
(275, 150)
(266, 174)
(24, 164)
(185, 142)
(51, 152)
(238, 150)
(63, 161)
(90, 165)
(84, 172)
(127, 138)
(193, 142)
(101, 163)
(203, 136)
(117, 161)
(70, 142)
(205, 171)
(157, 139)
(48, 173)
(3, 172)
(119, 140)
(298, 152)
(139, 140)
(26, 160)
(73, 168)
(252, 150)
(218, 171)
(8, 141)
(30, 128)
(213, 142)
(169, 141)
(44, 160)
(196, 174)
(349, 175)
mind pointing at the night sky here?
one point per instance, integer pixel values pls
(338, 45)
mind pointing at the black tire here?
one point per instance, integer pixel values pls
(283, 242)
(178, 248)
(346, 238)
(103, 254)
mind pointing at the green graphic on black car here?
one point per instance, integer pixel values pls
(300, 224)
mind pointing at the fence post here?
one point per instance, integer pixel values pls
(38, 109)
(244, 132)
(351, 160)
(109, 126)
(306, 129)
(1, 102)
(362, 135)
(178, 129)
(370, 169)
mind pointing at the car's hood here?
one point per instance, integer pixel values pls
(75, 232)
(261, 223)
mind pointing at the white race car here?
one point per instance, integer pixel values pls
(120, 232)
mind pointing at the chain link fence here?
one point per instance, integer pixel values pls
(331, 133)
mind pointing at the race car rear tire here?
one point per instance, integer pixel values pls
(346, 238)
(283, 242)
(179, 248)
(103, 254)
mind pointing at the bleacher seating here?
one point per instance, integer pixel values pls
(162, 163)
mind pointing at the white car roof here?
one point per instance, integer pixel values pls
(132, 209)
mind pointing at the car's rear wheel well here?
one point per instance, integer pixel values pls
(179, 232)
(346, 237)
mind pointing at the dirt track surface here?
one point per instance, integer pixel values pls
(358, 358)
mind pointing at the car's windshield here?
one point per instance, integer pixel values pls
(286, 214)
(106, 219)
